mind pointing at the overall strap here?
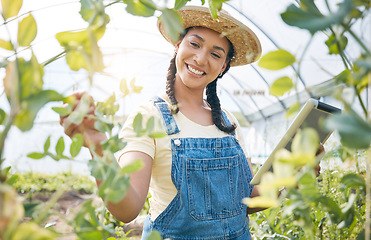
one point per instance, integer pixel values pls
(226, 121)
(163, 108)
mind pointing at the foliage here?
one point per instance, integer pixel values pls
(309, 210)
(336, 204)
(24, 89)
(32, 182)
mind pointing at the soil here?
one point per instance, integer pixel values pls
(68, 204)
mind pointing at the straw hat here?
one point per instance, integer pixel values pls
(247, 48)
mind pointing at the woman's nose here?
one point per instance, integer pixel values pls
(200, 58)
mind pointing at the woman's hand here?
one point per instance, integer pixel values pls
(320, 151)
(91, 136)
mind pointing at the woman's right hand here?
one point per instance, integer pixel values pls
(91, 136)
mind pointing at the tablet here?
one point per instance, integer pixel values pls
(308, 116)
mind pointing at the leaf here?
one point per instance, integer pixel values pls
(27, 229)
(215, 6)
(124, 87)
(47, 145)
(93, 12)
(261, 202)
(143, 8)
(137, 124)
(352, 180)
(76, 145)
(277, 60)
(291, 110)
(109, 107)
(31, 77)
(11, 8)
(62, 111)
(311, 19)
(27, 30)
(132, 167)
(280, 86)
(36, 155)
(7, 45)
(180, 3)
(334, 44)
(32, 105)
(154, 235)
(306, 141)
(133, 87)
(353, 130)
(81, 110)
(59, 148)
(172, 23)
(2, 116)
(150, 124)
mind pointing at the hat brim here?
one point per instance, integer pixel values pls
(247, 48)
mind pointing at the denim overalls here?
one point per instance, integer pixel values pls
(212, 177)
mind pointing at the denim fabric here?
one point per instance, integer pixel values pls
(212, 177)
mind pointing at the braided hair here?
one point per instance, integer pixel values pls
(211, 93)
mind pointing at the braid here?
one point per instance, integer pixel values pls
(170, 79)
(216, 111)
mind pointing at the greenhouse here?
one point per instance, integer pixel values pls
(114, 51)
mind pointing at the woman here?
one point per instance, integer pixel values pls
(198, 174)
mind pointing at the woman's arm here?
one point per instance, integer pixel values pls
(130, 206)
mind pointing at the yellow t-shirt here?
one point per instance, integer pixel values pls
(161, 186)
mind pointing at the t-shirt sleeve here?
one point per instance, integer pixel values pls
(142, 143)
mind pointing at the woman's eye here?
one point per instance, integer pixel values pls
(194, 44)
(215, 55)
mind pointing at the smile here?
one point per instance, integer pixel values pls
(195, 71)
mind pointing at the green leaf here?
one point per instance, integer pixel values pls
(334, 44)
(137, 124)
(281, 86)
(31, 106)
(81, 110)
(124, 87)
(109, 107)
(31, 77)
(306, 141)
(150, 124)
(215, 6)
(7, 45)
(92, 11)
(135, 88)
(47, 145)
(62, 111)
(36, 155)
(154, 235)
(353, 130)
(143, 8)
(114, 144)
(172, 23)
(352, 180)
(132, 167)
(180, 3)
(277, 60)
(27, 30)
(309, 17)
(291, 110)
(2, 116)
(76, 145)
(59, 148)
(11, 8)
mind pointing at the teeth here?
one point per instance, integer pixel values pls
(195, 71)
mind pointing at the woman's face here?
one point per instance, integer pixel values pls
(201, 57)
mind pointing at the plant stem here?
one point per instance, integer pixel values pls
(54, 58)
(357, 39)
(361, 102)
